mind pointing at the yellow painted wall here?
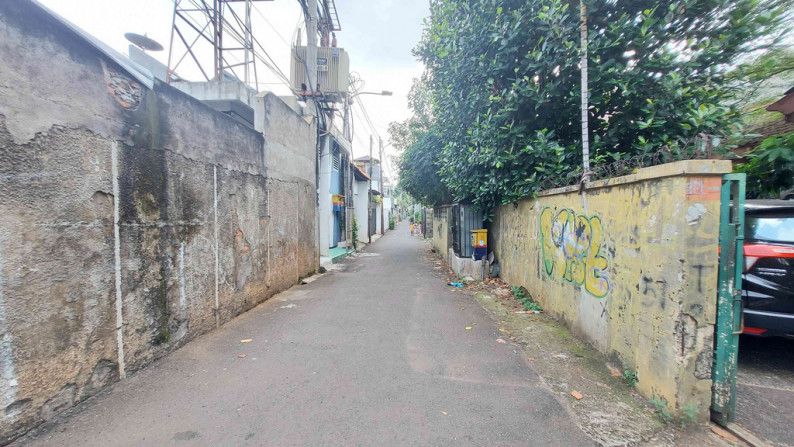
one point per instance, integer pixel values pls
(442, 239)
(631, 266)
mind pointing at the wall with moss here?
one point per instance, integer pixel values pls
(630, 265)
(132, 219)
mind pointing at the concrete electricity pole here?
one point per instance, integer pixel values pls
(311, 109)
(585, 106)
(311, 53)
(369, 195)
(382, 189)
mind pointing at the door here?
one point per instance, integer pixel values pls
(729, 299)
(455, 227)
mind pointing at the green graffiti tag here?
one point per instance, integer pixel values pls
(571, 245)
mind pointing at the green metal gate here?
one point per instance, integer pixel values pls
(729, 299)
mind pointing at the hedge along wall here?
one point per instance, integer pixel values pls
(630, 265)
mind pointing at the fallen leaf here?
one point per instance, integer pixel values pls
(530, 358)
(468, 328)
(613, 371)
(501, 329)
(499, 340)
(462, 308)
(246, 340)
(577, 395)
(444, 413)
(560, 356)
(242, 356)
(724, 434)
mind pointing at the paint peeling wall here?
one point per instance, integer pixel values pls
(442, 234)
(213, 217)
(631, 266)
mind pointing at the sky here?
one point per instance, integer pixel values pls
(377, 34)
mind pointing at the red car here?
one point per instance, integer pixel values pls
(768, 280)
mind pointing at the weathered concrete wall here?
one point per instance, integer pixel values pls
(631, 265)
(442, 236)
(465, 267)
(206, 227)
(360, 203)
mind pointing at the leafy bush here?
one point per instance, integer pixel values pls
(630, 377)
(770, 169)
(504, 76)
(660, 404)
(521, 295)
(689, 414)
(355, 233)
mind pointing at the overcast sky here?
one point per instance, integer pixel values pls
(378, 35)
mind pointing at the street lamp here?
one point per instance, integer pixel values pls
(382, 93)
(346, 130)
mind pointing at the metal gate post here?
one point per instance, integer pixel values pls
(729, 299)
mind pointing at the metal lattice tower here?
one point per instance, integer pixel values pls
(216, 27)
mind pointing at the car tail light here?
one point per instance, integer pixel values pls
(754, 252)
(753, 330)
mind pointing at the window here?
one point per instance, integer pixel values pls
(770, 228)
(335, 158)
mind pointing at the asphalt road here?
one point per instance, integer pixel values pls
(765, 388)
(376, 353)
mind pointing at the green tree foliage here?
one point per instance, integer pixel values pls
(760, 81)
(420, 101)
(419, 173)
(505, 83)
(419, 144)
(770, 169)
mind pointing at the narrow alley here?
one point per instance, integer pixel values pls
(374, 353)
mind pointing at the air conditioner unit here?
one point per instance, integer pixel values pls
(333, 71)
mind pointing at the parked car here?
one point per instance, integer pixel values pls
(768, 280)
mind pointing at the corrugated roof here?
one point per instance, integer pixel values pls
(359, 173)
(779, 127)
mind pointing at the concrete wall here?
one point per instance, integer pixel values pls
(360, 203)
(631, 266)
(442, 235)
(131, 220)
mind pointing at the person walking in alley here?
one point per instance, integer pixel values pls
(412, 228)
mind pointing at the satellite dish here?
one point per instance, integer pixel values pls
(143, 42)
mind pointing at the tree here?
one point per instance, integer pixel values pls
(419, 175)
(419, 145)
(770, 169)
(504, 77)
(420, 100)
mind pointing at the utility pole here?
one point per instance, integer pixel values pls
(382, 189)
(585, 106)
(311, 54)
(369, 195)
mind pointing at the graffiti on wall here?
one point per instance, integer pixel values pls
(571, 245)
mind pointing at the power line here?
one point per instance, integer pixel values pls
(258, 51)
(271, 26)
(372, 128)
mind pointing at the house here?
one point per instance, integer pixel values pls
(335, 188)
(371, 166)
(360, 200)
(780, 126)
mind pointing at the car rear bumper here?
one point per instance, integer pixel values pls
(774, 323)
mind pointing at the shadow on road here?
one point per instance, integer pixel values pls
(765, 388)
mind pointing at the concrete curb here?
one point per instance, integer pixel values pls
(746, 436)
